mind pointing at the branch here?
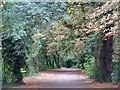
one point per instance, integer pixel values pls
(66, 24)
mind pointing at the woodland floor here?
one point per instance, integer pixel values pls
(62, 78)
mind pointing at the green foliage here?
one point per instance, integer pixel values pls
(13, 53)
(29, 58)
(91, 67)
(116, 74)
(35, 13)
(20, 22)
(0, 71)
(32, 31)
(44, 67)
(69, 58)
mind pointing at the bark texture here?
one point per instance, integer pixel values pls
(56, 61)
(105, 57)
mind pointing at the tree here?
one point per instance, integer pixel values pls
(54, 30)
(107, 26)
(21, 21)
(98, 25)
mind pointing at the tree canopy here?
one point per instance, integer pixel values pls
(43, 35)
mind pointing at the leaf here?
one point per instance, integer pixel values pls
(85, 51)
(89, 50)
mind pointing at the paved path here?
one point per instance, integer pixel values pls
(62, 78)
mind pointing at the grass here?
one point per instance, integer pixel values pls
(34, 74)
(75, 66)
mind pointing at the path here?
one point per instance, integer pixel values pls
(62, 78)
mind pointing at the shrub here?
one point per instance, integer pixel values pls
(44, 67)
(116, 74)
(91, 67)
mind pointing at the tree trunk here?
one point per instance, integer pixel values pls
(17, 72)
(56, 61)
(53, 63)
(4, 77)
(36, 58)
(105, 57)
(46, 60)
(49, 61)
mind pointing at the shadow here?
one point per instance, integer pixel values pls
(65, 72)
(10, 85)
